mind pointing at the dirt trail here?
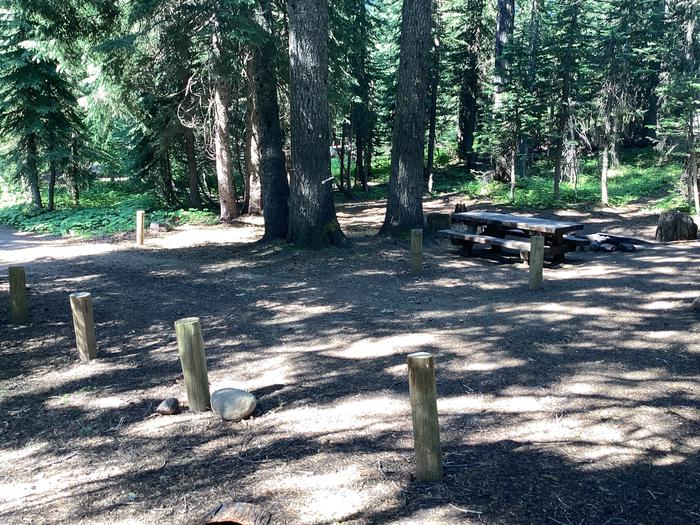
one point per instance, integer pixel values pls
(579, 404)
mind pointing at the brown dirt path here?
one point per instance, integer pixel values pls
(579, 404)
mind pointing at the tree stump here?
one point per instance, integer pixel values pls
(237, 514)
(676, 226)
(436, 222)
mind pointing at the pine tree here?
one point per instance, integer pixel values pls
(404, 200)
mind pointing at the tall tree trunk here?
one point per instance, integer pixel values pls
(469, 86)
(52, 185)
(432, 111)
(222, 152)
(564, 108)
(505, 24)
(192, 174)
(33, 171)
(524, 139)
(167, 179)
(312, 219)
(693, 160)
(73, 178)
(405, 196)
(253, 185)
(605, 166)
(341, 157)
(273, 173)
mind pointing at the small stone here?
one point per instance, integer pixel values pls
(232, 404)
(696, 304)
(626, 247)
(607, 247)
(169, 407)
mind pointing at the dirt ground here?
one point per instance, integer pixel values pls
(575, 405)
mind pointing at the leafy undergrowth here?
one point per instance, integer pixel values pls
(639, 177)
(105, 209)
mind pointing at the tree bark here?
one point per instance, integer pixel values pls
(52, 186)
(432, 114)
(73, 178)
(192, 174)
(469, 87)
(505, 23)
(404, 201)
(524, 139)
(33, 171)
(273, 173)
(222, 151)
(253, 185)
(312, 219)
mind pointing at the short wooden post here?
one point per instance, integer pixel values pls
(140, 222)
(426, 431)
(194, 363)
(416, 251)
(536, 261)
(84, 325)
(19, 311)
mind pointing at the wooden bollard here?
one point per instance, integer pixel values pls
(84, 325)
(140, 224)
(416, 251)
(536, 259)
(194, 363)
(426, 430)
(19, 311)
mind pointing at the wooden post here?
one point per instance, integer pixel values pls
(84, 325)
(18, 295)
(140, 221)
(416, 252)
(536, 260)
(426, 431)
(194, 363)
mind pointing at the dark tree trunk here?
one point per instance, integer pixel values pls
(73, 178)
(469, 86)
(192, 174)
(273, 174)
(404, 200)
(505, 23)
(524, 139)
(167, 179)
(341, 157)
(432, 110)
(33, 171)
(312, 219)
(253, 185)
(52, 186)
(222, 152)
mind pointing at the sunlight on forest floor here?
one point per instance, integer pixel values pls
(590, 379)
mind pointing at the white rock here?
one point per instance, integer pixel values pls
(231, 404)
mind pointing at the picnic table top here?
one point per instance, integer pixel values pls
(516, 221)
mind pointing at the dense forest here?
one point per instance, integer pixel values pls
(280, 108)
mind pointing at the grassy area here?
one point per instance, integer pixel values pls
(105, 209)
(109, 208)
(637, 178)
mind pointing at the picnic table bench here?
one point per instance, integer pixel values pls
(493, 228)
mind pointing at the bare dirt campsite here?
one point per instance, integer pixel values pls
(576, 404)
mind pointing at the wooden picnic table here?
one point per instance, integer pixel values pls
(499, 225)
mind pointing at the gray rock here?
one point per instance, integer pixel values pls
(696, 304)
(169, 407)
(231, 404)
(626, 247)
(607, 247)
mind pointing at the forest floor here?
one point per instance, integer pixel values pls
(578, 404)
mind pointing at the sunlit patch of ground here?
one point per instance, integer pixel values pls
(576, 404)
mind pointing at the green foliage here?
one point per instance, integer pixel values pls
(106, 209)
